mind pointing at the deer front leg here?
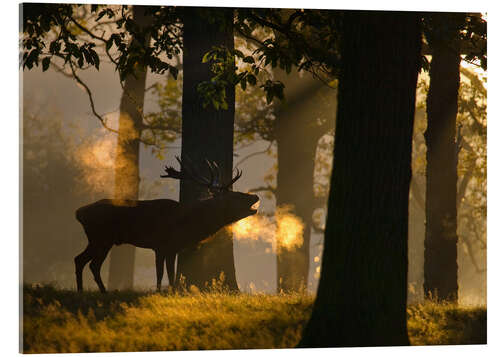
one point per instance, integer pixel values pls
(96, 263)
(170, 262)
(80, 261)
(160, 258)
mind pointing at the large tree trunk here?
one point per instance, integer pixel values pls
(361, 299)
(297, 133)
(206, 134)
(122, 258)
(440, 256)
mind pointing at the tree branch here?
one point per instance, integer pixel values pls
(89, 93)
(263, 188)
(254, 154)
(84, 29)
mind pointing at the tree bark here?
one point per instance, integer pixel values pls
(206, 134)
(440, 255)
(361, 298)
(297, 133)
(122, 257)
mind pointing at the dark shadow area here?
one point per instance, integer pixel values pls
(36, 300)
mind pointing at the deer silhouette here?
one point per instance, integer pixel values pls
(163, 225)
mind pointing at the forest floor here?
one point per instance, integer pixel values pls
(56, 320)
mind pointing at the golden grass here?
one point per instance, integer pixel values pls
(434, 323)
(64, 321)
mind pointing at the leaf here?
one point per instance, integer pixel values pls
(251, 79)
(269, 96)
(45, 63)
(95, 57)
(239, 53)
(174, 72)
(119, 23)
(87, 56)
(101, 14)
(54, 47)
(205, 57)
(249, 59)
(117, 39)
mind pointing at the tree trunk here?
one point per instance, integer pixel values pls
(206, 134)
(361, 298)
(122, 257)
(297, 133)
(440, 256)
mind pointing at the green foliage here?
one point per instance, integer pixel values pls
(471, 27)
(65, 321)
(281, 38)
(221, 63)
(53, 31)
(474, 33)
(307, 39)
(80, 34)
(48, 33)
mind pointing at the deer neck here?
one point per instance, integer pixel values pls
(206, 218)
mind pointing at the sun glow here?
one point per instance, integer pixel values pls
(96, 160)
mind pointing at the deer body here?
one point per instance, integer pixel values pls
(166, 226)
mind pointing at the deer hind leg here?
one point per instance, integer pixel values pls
(170, 262)
(80, 261)
(159, 259)
(96, 263)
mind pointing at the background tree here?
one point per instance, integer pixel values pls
(300, 123)
(366, 233)
(122, 258)
(207, 133)
(471, 187)
(443, 32)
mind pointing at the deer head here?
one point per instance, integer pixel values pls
(234, 205)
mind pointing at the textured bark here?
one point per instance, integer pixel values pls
(297, 133)
(440, 255)
(206, 134)
(122, 257)
(361, 298)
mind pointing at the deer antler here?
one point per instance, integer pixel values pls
(188, 172)
(235, 178)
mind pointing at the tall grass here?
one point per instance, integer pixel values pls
(64, 321)
(435, 323)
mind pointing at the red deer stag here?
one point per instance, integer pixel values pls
(166, 226)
